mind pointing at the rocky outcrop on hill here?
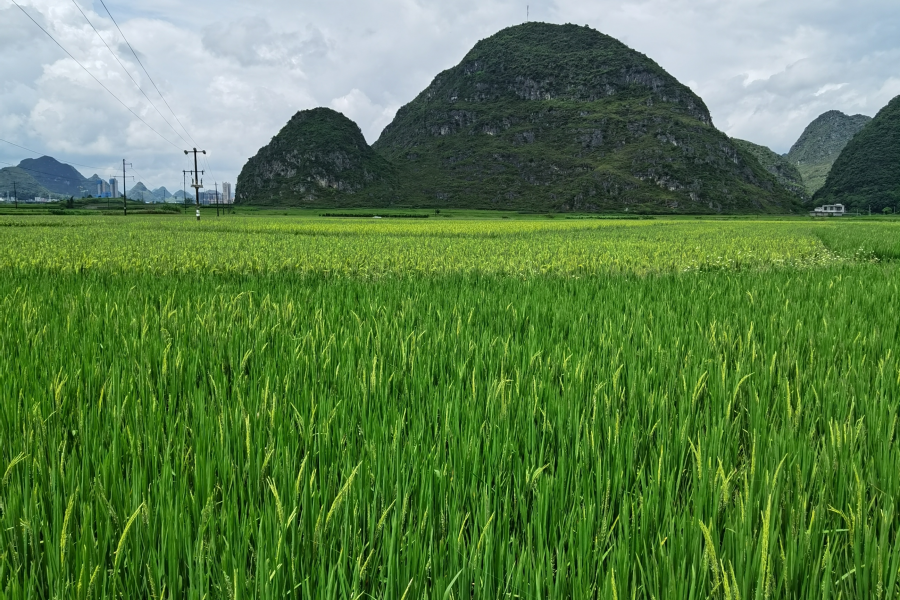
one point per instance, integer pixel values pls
(821, 143)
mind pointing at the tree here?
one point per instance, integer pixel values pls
(887, 210)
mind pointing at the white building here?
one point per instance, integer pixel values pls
(227, 197)
(828, 210)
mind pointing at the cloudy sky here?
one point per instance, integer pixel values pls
(234, 72)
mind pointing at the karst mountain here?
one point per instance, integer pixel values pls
(537, 117)
(866, 175)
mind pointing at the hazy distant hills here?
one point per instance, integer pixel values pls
(140, 192)
(820, 145)
(162, 194)
(45, 175)
(26, 186)
(867, 172)
(55, 176)
(784, 171)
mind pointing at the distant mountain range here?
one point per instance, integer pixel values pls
(46, 176)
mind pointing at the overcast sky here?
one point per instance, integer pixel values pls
(235, 72)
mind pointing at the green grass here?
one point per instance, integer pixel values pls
(178, 422)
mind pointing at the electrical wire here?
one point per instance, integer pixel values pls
(93, 76)
(172, 127)
(148, 74)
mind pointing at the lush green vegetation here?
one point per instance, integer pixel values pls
(320, 158)
(867, 173)
(15, 181)
(784, 170)
(424, 408)
(564, 118)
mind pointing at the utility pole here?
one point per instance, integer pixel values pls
(16, 194)
(197, 183)
(217, 199)
(124, 185)
(124, 194)
(184, 188)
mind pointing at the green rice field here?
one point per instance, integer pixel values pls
(301, 407)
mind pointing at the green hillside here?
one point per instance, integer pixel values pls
(26, 186)
(320, 158)
(783, 170)
(821, 143)
(562, 117)
(867, 172)
(55, 176)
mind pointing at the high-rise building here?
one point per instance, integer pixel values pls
(113, 187)
(227, 198)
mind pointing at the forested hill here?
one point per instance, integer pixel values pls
(867, 172)
(319, 158)
(55, 176)
(563, 117)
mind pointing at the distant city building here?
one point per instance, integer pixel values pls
(209, 196)
(108, 189)
(227, 197)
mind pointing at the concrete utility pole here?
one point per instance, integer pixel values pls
(197, 183)
(124, 194)
(124, 185)
(16, 194)
(184, 188)
(217, 199)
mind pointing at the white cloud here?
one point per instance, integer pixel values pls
(358, 107)
(764, 68)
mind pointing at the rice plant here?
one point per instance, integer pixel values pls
(306, 409)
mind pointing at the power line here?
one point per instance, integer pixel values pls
(128, 73)
(148, 74)
(93, 76)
